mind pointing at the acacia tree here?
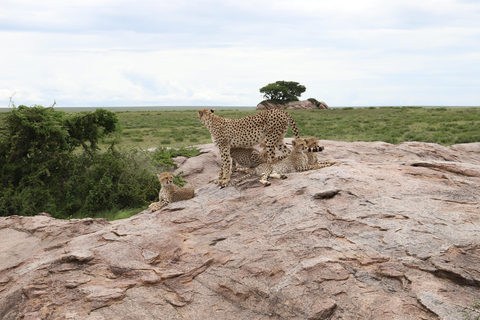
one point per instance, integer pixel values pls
(283, 91)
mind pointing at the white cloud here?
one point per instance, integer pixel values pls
(345, 52)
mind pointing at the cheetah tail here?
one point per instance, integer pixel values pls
(325, 164)
(316, 149)
(237, 182)
(293, 125)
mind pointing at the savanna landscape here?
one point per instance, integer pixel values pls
(445, 126)
(172, 133)
(394, 222)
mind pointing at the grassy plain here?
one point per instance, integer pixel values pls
(445, 126)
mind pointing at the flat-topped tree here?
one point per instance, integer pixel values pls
(284, 91)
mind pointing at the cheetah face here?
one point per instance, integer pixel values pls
(165, 178)
(205, 114)
(313, 145)
(299, 145)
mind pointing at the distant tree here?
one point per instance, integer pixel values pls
(283, 91)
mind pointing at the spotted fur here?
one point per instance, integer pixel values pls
(269, 126)
(297, 161)
(312, 148)
(245, 158)
(170, 192)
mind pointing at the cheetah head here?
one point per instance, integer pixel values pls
(205, 114)
(165, 178)
(299, 145)
(313, 145)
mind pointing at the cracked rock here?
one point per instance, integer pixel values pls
(390, 232)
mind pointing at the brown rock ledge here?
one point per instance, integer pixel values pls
(392, 232)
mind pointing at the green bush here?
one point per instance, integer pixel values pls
(51, 163)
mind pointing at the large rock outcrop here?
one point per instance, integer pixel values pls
(392, 232)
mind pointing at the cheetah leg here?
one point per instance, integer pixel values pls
(281, 144)
(270, 148)
(278, 176)
(225, 171)
(234, 166)
(283, 156)
(283, 148)
(158, 205)
(264, 180)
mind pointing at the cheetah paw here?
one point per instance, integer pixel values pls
(266, 183)
(222, 182)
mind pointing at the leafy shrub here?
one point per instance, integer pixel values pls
(51, 163)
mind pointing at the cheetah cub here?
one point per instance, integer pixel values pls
(312, 148)
(170, 192)
(297, 161)
(246, 158)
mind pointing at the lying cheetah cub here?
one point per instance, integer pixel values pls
(246, 158)
(170, 192)
(295, 162)
(312, 148)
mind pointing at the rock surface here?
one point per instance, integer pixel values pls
(292, 105)
(392, 232)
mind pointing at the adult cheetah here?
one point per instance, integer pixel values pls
(269, 126)
(296, 161)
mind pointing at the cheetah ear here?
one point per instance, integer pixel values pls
(213, 110)
(158, 176)
(293, 143)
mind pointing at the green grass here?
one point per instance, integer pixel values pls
(472, 312)
(446, 126)
(111, 215)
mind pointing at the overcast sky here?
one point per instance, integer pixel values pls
(221, 52)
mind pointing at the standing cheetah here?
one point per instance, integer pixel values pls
(170, 192)
(296, 161)
(268, 125)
